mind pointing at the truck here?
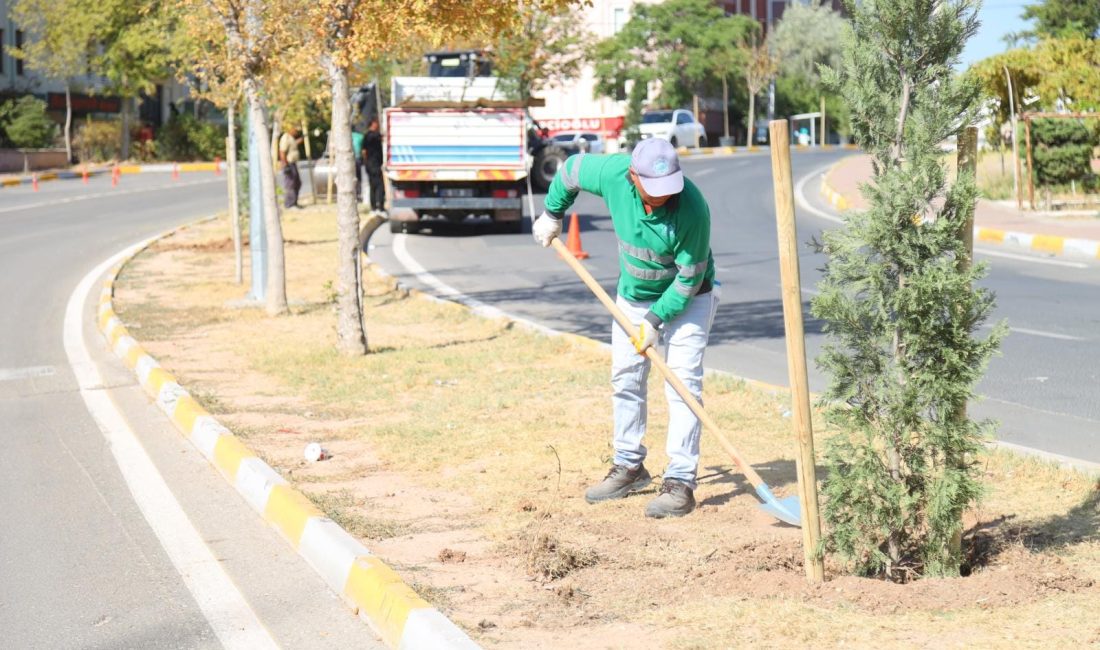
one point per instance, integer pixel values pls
(455, 150)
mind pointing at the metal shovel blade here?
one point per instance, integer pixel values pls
(787, 510)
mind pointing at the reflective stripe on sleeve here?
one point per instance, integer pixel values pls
(646, 254)
(571, 178)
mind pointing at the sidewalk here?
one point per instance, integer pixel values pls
(995, 222)
(77, 172)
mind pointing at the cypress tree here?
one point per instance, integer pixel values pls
(899, 302)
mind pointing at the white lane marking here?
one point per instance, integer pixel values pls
(11, 374)
(1042, 333)
(406, 260)
(703, 172)
(1029, 258)
(116, 192)
(800, 199)
(226, 610)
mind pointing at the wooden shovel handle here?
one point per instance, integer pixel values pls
(655, 357)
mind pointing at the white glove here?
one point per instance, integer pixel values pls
(645, 338)
(546, 228)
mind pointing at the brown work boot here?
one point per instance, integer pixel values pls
(618, 483)
(676, 499)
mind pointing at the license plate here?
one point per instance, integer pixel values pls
(456, 192)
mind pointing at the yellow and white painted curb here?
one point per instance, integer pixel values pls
(373, 590)
(1050, 244)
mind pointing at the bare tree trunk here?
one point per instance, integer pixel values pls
(234, 207)
(276, 264)
(351, 338)
(68, 124)
(752, 118)
(124, 145)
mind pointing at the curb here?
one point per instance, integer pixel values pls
(710, 151)
(375, 593)
(217, 168)
(1035, 242)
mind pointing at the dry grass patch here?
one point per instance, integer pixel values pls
(464, 437)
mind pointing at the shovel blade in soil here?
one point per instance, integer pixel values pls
(787, 510)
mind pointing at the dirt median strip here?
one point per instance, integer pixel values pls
(461, 447)
(397, 614)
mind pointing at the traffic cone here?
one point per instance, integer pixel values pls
(84, 175)
(176, 171)
(573, 243)
(34, 182)
(114, 176)
(217, 166)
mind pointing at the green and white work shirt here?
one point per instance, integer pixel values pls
(664, 257)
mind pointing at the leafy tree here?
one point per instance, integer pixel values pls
(60, 39)
(24, 123)
(342, 32)
(685, 44)
(1063, 149)
(898, 301)
(1065, 18)
(989, 74)
(808, 36)
(547, 49)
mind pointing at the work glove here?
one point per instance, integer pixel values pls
(546, 228)
(645, 337)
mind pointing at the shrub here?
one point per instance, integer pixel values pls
(1063, 148)
(184, 137)
(98, 141)
(24, 123)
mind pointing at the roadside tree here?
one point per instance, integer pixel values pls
(547, 49)
(898, 300)
(760, 68)
(808, 36)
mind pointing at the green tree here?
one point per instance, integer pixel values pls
(60, 36)
(760, 68)
(685, 44)
(1065, 18)
(24, 123)
(808, 36)
(898, 302)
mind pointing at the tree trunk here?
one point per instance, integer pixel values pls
(351, 338)
(68, 124)
(725, 108)
(124, 144)
(234, 207)
(752, 118)
(276, 265)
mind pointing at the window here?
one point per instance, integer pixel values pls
(620, 17)
(19, 44)
(683, 118)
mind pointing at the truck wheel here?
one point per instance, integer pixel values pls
(546, 166)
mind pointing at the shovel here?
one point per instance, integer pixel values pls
(787, 510)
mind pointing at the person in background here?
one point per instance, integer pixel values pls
(288, 158)
(666, 287)
(372, 162)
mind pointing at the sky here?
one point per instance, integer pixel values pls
(998, 17)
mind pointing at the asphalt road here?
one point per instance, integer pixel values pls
(1041, 390)
(80, 564)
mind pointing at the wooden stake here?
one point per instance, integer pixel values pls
(796, 347)
(309, 157)
(966, 161)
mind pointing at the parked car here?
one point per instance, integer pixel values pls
(576, 142)
(677, 126)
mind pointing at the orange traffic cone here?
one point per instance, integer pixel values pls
(114, 176)
(84, 175)
(573, 243)
(217, 166)
(176, 171)
(34, 182)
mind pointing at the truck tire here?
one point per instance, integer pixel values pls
(546, 166)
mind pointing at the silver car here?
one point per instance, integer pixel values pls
(577, 141)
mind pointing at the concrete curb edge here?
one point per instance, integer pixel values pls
(1050, 244)
(162, 168)
(373, 591)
